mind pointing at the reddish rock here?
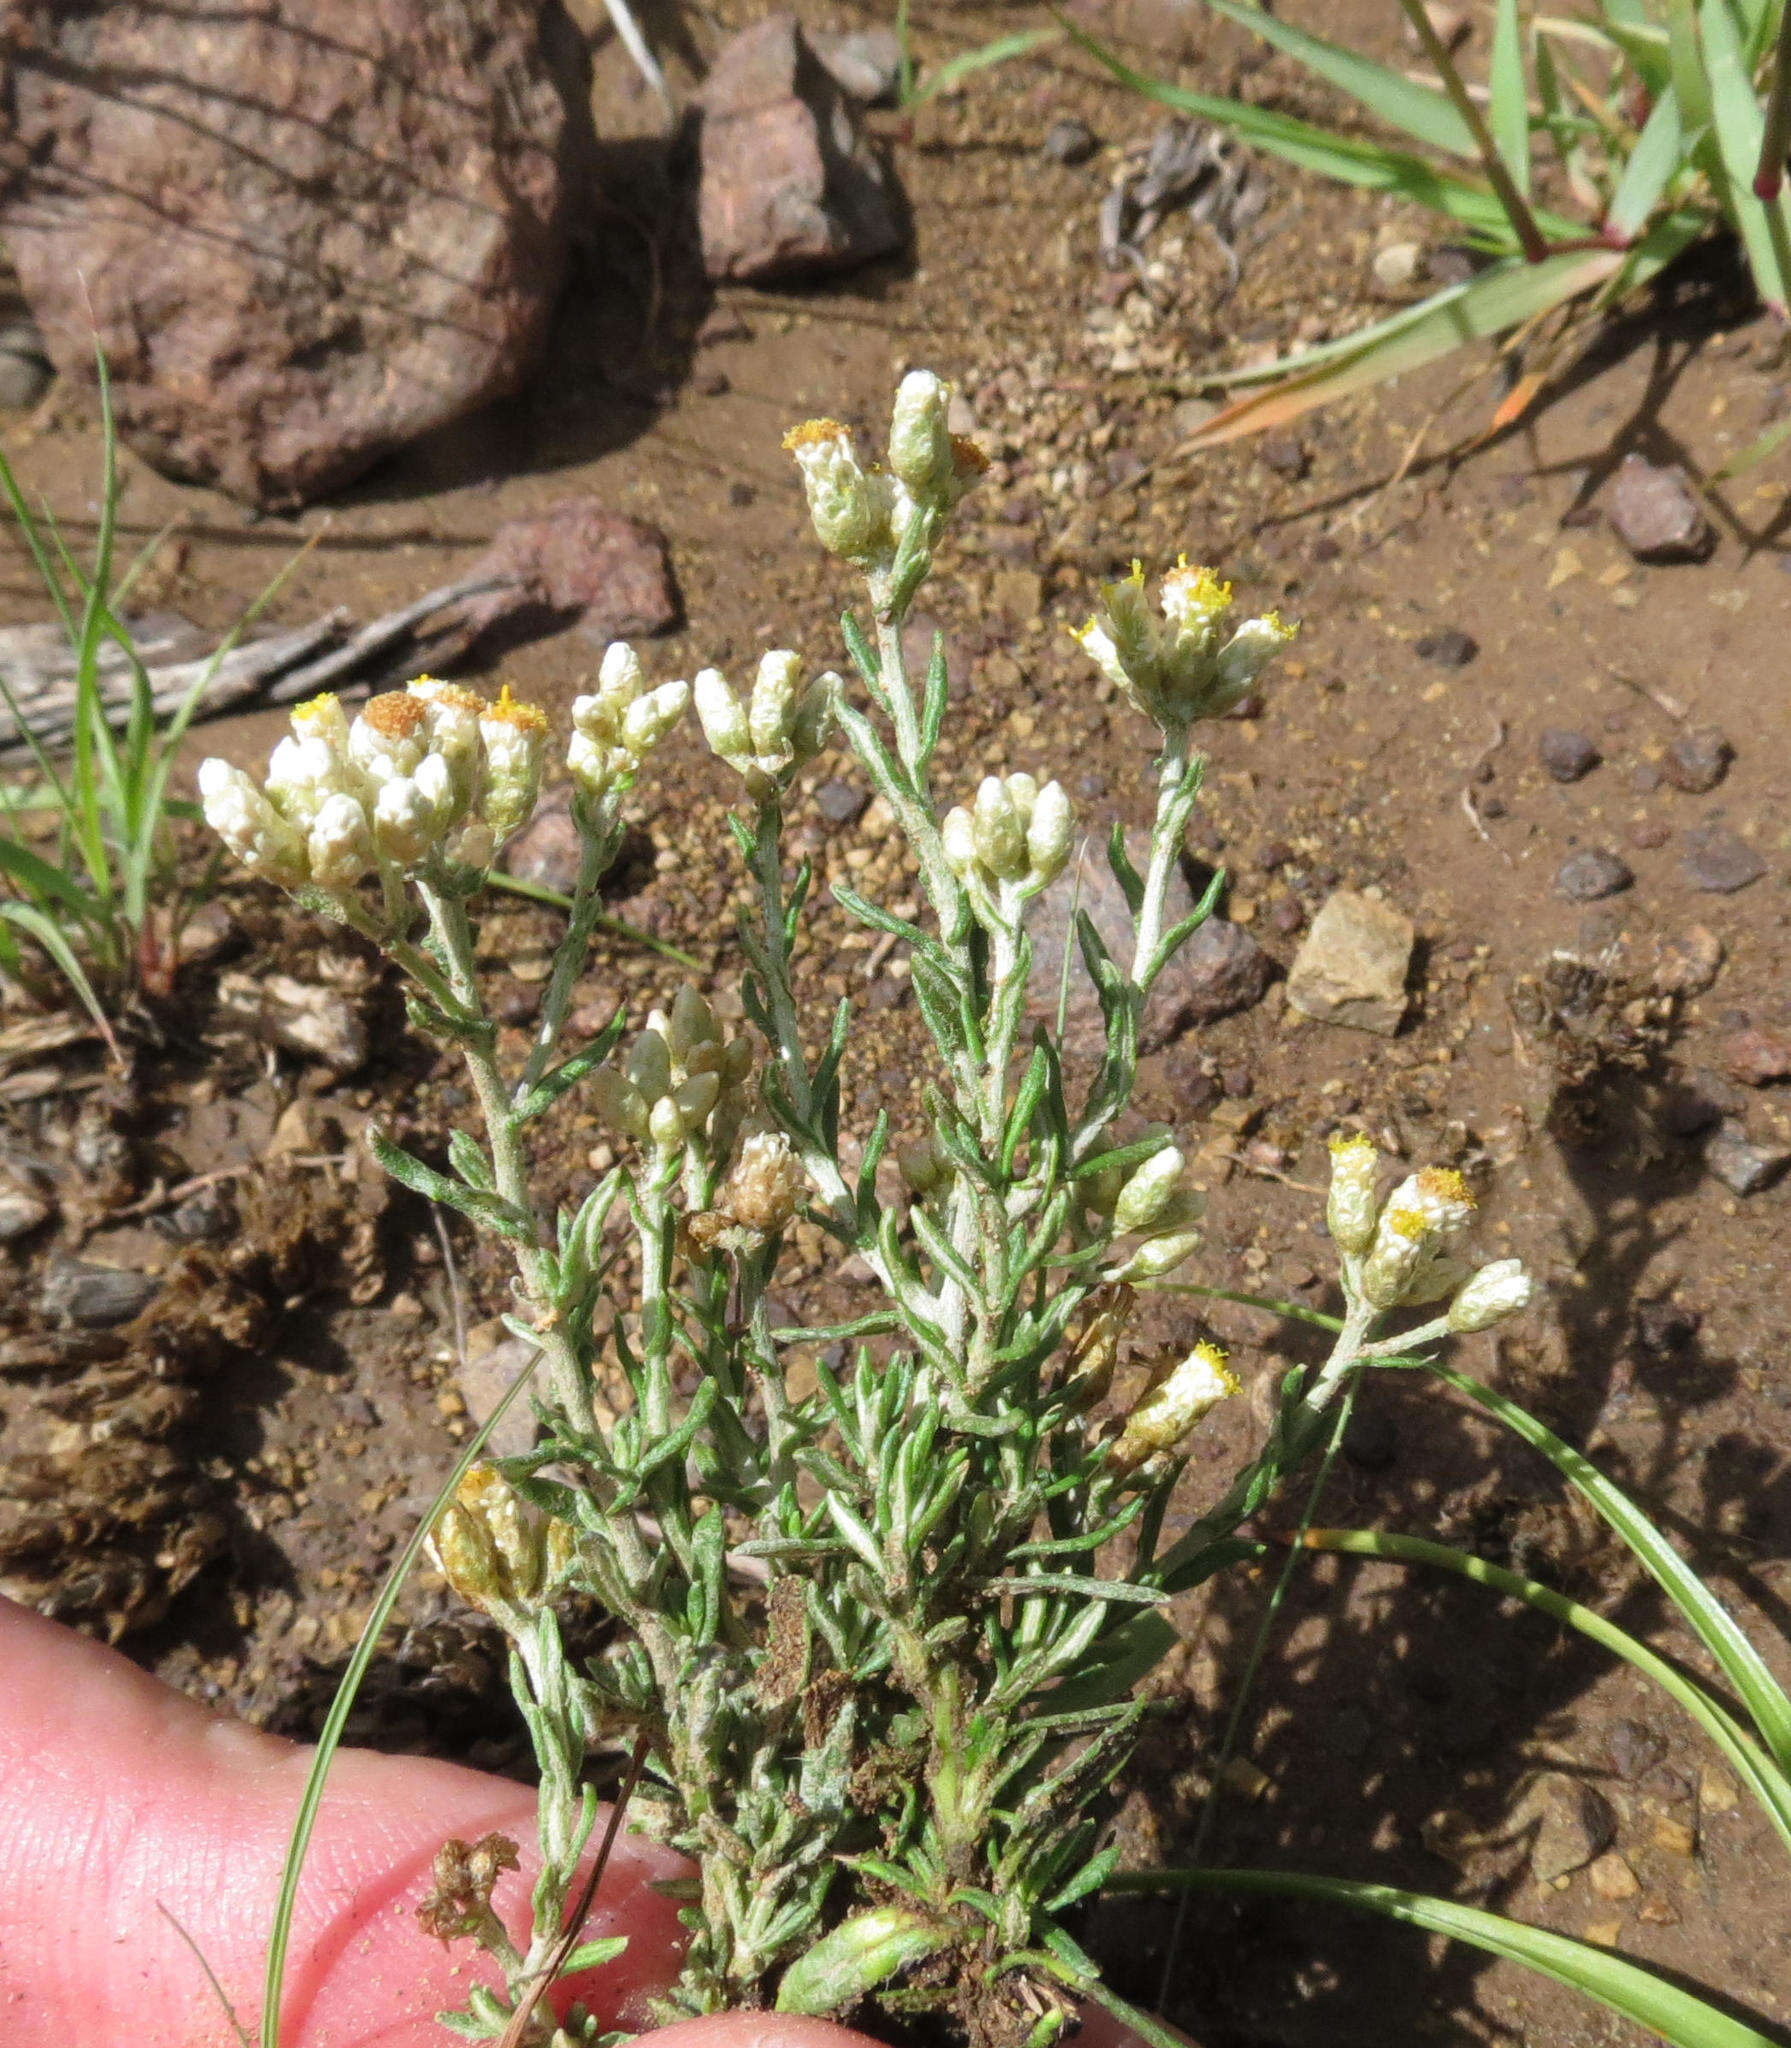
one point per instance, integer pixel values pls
(574, 563)
(1657, 513)
(790, 182)
(302, 235)
(1757, 1057)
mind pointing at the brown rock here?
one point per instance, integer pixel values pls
(1756, 1057)
(790, 182)
(1218, 970)
(573, 563)
(1697, 760)
(298, 1016)
(1352, 967)
(1688, 963)
(1720, 861)
(1611, 1877)
(301, 235)
(1657, 513)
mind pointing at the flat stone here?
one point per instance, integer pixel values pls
(1220, 968)
(1688, 963)
(1566, 755)
(1633, 1748)
(1720, 861)
(1757, 1057)
(1743, 1167)
(1593, 874)
(1657, 513)
(790, 182)
(302, 1017)
(1352, 966)
(303, 234)
(1449, 647)
(77, 1294)
(1698, 759)
(1069, 141)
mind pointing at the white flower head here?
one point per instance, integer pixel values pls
(389, 736)
(619, 724)
(264, 841)
(340, 848)
(453, 716)
(1422, 1219)
(782, 726)
(1175, 1406)
(1189, 663)
(1015, 837)
(515, 739)
(851, 518)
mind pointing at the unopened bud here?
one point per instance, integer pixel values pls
(773, 707)
(340, 848)
(1048, 834)
(1146, 1194)
(1000, 834)
(722, 716)
(1495, 1292)
(850, 515)
(665, 1126)
(1351, 1210)
(618, 1103)
(1158, 1256)
(920, 443)
(650, 1065)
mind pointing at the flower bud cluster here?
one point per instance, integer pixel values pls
(1151, 1201)
(1404, 1251)
(681, 1080)
(426, 776)
(493, 1549)
(864, 515)
(766, 1184)
(781, 727)
(1191, 662)
(1011, 843)
(1173, 1406)
(615, 728)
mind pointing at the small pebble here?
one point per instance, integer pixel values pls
(1069, 141)
(1284, 455)
(1743, 1167)
(1633, 1748)
(1448, 648)
(1697, 760)
(1396, 267)
(1720, 861)
(1589, 876)
(1657, 513)
(1566, 755)
(1287, 915)
(1649, 835)
(741, 495)
(1237, 1082)
(841, 803)
(1492, 805)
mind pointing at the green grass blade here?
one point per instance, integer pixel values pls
(1623, 1987)
(1495, 301)
(1769, 1785)
(1420, 111)
(1690, 80)
(1754, 1685)
(39, 925)
(1508, 95)
(1649, 50)
(330, 1738)
(1740, 127)
(39, 881)
(1003, 50)
(1756, 451)
(1658, 154)
(618, 927)
(1351, 162)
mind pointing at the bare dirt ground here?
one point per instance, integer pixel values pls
(225, 1487)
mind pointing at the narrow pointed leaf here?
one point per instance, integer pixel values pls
(1509, 108)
